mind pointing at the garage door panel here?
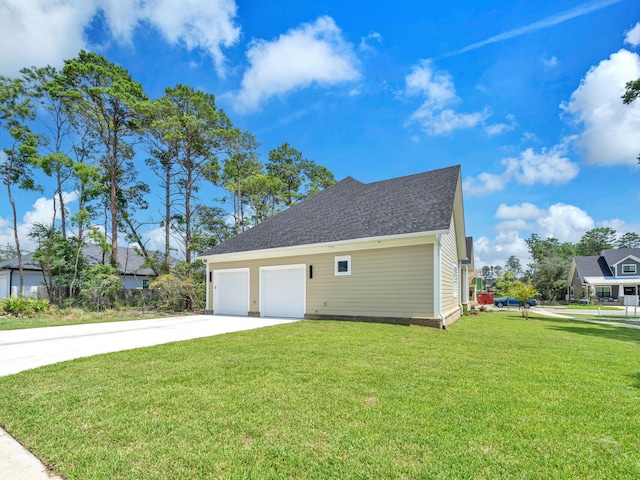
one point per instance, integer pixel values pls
(282, 291)
(231, 292)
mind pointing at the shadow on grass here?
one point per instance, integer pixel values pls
(591, 329)
(636, 379)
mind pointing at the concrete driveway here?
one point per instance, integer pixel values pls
(33, 347)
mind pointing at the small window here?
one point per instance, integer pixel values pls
(145, 283)
(343, 265)
(629, 268)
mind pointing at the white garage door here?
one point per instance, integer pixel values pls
(231, 291)
(282, 291)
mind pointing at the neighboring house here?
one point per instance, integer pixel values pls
(386, 251)
(133, 274)
(608, 277)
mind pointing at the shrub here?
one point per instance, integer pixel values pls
(23, 306)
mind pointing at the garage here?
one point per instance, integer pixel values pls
(282, 291)
(231, 291)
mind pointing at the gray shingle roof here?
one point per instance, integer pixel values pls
(130, 262)
(616, 255)
(598, 266)
(592, 267)
(351, 210)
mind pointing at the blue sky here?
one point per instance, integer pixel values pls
(525, 96)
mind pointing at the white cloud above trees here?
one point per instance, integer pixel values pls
(33, 28)
(633, 36)
(436, 115)
(313, 53)
(609, 127)
(549, 166)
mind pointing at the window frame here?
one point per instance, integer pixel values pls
(339, 259)
(629, 265)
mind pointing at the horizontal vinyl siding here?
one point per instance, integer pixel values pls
(391, 282)
(386, 282)
(449, 258)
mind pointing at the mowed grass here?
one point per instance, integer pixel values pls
(76, 316)
(494, 396)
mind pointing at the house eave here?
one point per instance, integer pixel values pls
(367, 243)
(611, 280)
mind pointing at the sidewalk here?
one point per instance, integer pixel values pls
(17, 463)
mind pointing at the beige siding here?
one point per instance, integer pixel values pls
(449, 260)
(385, 282)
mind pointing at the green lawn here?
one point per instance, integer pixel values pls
(574, 306)
(75, 316)
(494, 396)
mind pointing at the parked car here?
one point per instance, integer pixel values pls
(512, 302)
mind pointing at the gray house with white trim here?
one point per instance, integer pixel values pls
(388, 251)
(608, 277)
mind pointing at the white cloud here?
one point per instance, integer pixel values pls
(30, 32)
(33, 28)
(438, 91)
(633, 36)
(196, 24)
(550, 166)
(523, 211)
(550, 62)
(498, 128)
(312, 53)
(365, 42)
(41, 212)
(496, 251)
(610, 134)
(565, 222)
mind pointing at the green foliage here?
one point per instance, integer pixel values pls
(184, 288)
(595, 241)
(7, 252)
(513, 265)
(299, 176)
(523, 291)
(23, 306)
(629, 240)
(504, 284)
(57, 256)
(99, 285)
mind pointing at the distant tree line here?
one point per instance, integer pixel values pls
(91, 128)
(551, 261)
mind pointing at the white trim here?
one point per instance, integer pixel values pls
(406, 239)
(629, 265)
(437, 279)
(295, 266)
(339, 259)
(216, 274)
(633, 258)
(612, 280)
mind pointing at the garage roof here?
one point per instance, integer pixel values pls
(351, 209)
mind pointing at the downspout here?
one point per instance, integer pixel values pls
(437, 281)
(10, 281)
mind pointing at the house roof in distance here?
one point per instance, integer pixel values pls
(351, 210)
(130, 263)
